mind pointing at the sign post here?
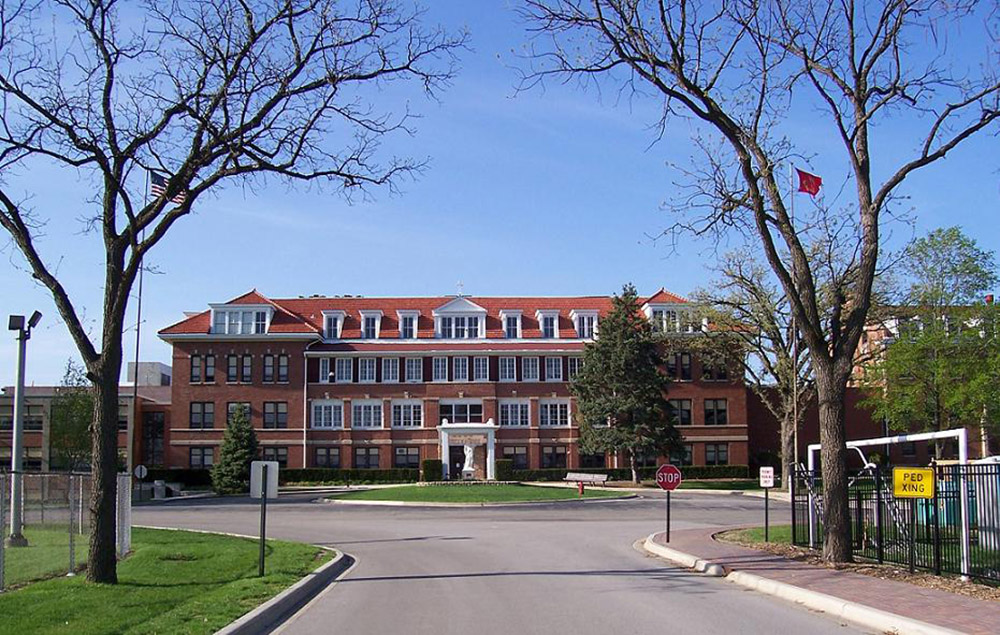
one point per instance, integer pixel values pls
(767, 482)
(263, 485)
(140, 473)
(913, 483)
(668, 478)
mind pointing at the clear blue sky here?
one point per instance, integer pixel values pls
(552, 192)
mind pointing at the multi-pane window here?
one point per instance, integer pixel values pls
(716, 412)
(276, 414)
(327, 457)
(715, 372)
(268, 373)
(370, 331)
(665, 321)
(679, 411)
(460, 368)
(366, 369)
(202, 415)
(480, 368)
(514, 413)
(463, 412)
(553, 369)
(508, 369)
(200, 458)
(585, 326)
(324, 370)
(549, 326)
(553, 413)
(209, 368)
(232, 368)
(472, 330)
(366, 458)
(679, 366)
(553, 456)
(408, 327)
(331, 324)
(195, 369)
(282, 367)
(683, 457)
(406, 457)
(460, 327)
(529, 369)
(366, 414)
(407, 414)
(511, 323)
(573, 366)
(414, 369)
(518, 455)
(235, 406)
(240, 322)
(343, 371)
(270, 453)
(716, 454)
(390, 370)
(447, 330)
(327, 414)
(440, 367)
(246, 369)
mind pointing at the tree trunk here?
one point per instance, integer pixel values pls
(787, 450)
(831, 386)
(635, 468)
(102, 562)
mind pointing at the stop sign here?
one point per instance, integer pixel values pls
(668, 477)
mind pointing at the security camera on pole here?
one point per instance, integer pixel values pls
(17, 323)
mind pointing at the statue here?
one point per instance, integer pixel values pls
(469, 462)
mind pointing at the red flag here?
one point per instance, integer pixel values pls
(809, 183)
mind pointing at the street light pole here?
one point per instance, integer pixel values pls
(17, 323)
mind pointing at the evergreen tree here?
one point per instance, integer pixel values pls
(621, 389)
(231, 474)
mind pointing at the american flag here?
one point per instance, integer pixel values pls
(158, 187)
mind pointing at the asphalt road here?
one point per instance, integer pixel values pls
(553, 568)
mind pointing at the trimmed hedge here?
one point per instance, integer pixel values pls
(335, 475)
(185, 476)
(431, 470)
(625, 474)
(505, 470)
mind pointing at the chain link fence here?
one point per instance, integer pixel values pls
(55, 522)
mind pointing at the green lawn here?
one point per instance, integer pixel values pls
(740, 484)
(776, 533)
(174, 582)
(471, 494)
(47, 554)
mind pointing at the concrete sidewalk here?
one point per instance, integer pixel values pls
(885, 605)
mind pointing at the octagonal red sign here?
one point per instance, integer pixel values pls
(668, 477)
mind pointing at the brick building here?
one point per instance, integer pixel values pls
(385, 382)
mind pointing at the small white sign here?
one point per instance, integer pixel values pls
(767, 477)
(257, 479)
(140, 471)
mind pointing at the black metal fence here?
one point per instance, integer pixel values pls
(954, 532)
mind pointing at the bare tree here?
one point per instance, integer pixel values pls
(733, 68)
(204, 93)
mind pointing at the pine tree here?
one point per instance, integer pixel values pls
(231, 475)
(621, 389)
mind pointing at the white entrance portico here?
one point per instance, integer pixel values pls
(469, 436)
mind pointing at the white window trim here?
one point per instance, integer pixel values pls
(325, 402)
(434, 364)
(340, 324)
(385, 364)
(240, 308)
(569, 363)
(475, 361)
(324, 378)
(405, 402)
(549, 402)
(416, 323)
(575, 316)
(480, 331)
(374, 364)
(454, 369)
(371, 313)
(541, 314)
(511, 402)
(561, 374)
(538, 369)
(406, 370)
(369, 403)
(514, 313)
(350, 371)
(500, 376)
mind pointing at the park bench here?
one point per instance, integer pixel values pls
(580, 479)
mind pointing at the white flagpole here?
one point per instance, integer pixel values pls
(795, 331)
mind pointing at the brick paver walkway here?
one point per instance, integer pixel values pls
(942, 608)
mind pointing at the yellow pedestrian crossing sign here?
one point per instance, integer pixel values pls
(913, 482)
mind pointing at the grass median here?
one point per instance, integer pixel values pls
(173, 582)
(506, 493)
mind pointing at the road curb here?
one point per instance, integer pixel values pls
(335, 501)
(860, 614)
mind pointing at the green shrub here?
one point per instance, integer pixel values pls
(505, 470)
(231, 474)
(431, 470)
(625, 474)
(332, 476)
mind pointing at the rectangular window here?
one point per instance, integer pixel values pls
(679, 411)
(327, 414)
(481, 368)
(269, 453)
(246, 372)
(366, 458)
(549, 326)
(406, 457)
(459, 327)
(219, 322)
(331, 324)
(592, 460)
(366, 414)
(324, 370)
(715, 412)
(585, 327)
(472, 330)
(268, 375)
(553, 413)
(233, 406)
(461, 412)
(408, 327)
(679, 366)
(328, 457)
(510, 326)
(553, 369)
(366, 369)
(283, 368)
(574, 364)
(247, 322)
(553, 456)
(446, 328)
(414, 369)
(202, 415)
(407, 414)
(909, 449)
(508, 369)
(370, 327)
(716, 454)
(195, 369)
(514, 413)
(684, 457)
(390, 370)
(518, 454)
(460, 368)
(714, 372)
(232, 368)
(209, 368)
(276, 415)
(260, 322)
(201, 458)
(440, 369)
(529, 369)
(344, 372)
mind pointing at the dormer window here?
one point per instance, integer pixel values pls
(241, 320)
(408, 324)
(371, 324)
(585, 323)
(333, 323)
(548, 322)
(511, 324)
(460, 319)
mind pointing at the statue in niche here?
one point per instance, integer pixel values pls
(469, 461)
